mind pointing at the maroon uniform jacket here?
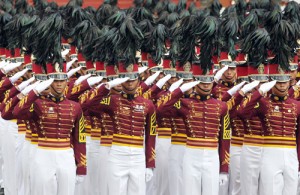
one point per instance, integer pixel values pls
(203, 118)
(220, 89)
(281, 119)
(58, 119)
(133, 116)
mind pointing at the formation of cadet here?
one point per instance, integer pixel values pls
(157, 99)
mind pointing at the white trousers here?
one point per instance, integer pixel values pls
(176, 154)
(279, 171)
(92, 169)
(83, 187)
(32, 148)
(201, 172)
(103, 169)
(9, 158)
(25, 168)
(19, 163)
(159, 184)
(250, 169)
(53, 172)
(234, 170)
(126, 171)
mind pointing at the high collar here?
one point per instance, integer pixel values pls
(56, 99)
(128, 96)
(277, 98)
(228, 84)
(202, 97)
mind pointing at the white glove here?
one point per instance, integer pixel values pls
(234, 89)
(69, 64)
(264, 88)
(3, 63)
(116, 82)
(65, 52)
(43, 85)
(223, 178)
(219, 74)
(93, 80)
(80, 179)
(249, 86)
(186, 86)
(82, 78)
(162, 81)
(11, 66)
(149, 174)
(29, 88)
(16, 76)
(25, 84)
(151, 78)
(142, 69)
(71, 72)
(176, 85)
(298, 83)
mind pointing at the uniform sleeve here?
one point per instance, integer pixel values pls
(150, 136)
(7, 111)
(152, 93)
(8, 95)
(79, 143)
(98, 101)
(294, 93)
(169, 104)
(142, 89)
(246, 109)
(225, 97)
(4, 85)
(234, 101)
(224, 140)
(24, 110)
(1, 75)
(77, 90)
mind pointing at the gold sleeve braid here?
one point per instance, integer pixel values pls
(76, 89)
(226, 127)
(153, 124)
(82, 136)
(227, 159)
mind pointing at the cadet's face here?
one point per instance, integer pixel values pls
(229, 75)
(28, 74)
(281, 88)
(130, 86)
(58, 87)
(204, 88)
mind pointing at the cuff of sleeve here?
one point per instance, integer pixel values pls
(177, 93)
(103, 89)
(81, 171)
(32, 96)
(85, 85)
(150, 165)
(224, 169)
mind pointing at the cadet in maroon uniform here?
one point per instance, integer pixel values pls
(225, 78)
(279, 158)
(132, 154)
(207, 146)
(61, 151)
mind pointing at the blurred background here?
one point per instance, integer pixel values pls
(128, 3)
